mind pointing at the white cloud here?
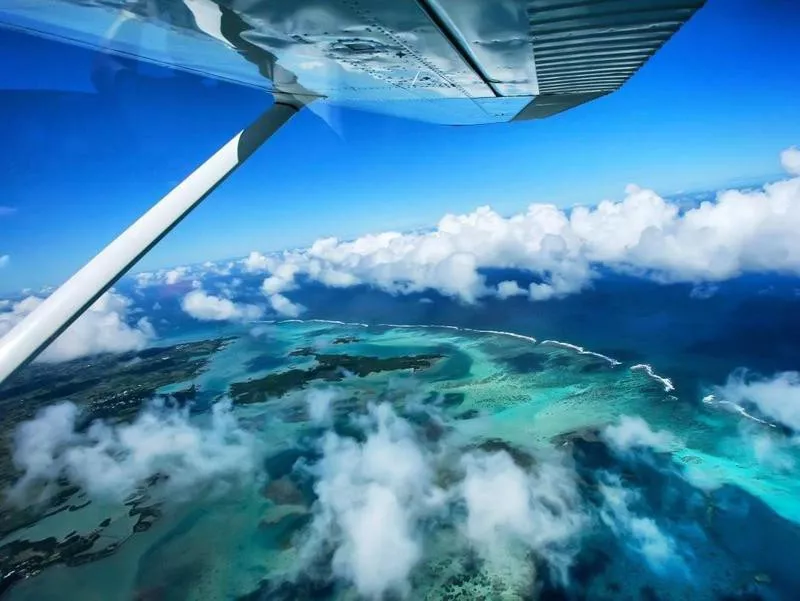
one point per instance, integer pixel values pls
(4, 260)
(103, 328)
(633, 432)
(777, 398)
(643, 234)
(223, 268)
(111, 461)
(194, 273)
(207, 307)
(38, 441)
(371, 497)
(6, 210)
(378, 506)
(173, 276)
(255, 262)
(772, 451)
(508, 289)
(163, 276)
(790, 160)
(281, 280)
(506, 506)
(144, 279)
(283, 306)
(641, 534)
(320, 403)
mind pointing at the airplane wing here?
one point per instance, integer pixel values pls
(458, 62)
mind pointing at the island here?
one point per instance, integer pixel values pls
(328, 368)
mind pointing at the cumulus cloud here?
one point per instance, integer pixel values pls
(219, 268)
(4, 260)
(790, 160)
(284, 307)
(281, 280)
(505, 505)
(207, 307)
(641, 534)
(371, 498)
(377, 500)
(103, 328)
(183, 273)
(162, 277)
(320, 404)
(255, 262)
(111, 461)
(771, 450)
(777, 398)
(562, 251)
(144, 279)
(632, 432)
(509, 288)
(173, 276)
(38, 441)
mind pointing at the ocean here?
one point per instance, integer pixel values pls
(580, 448)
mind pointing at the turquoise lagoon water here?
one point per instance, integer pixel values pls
(706, 491)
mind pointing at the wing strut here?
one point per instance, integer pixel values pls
(32, 335)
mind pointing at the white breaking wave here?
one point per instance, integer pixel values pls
(337, 322)
(581, 351)
(502, 333)
(332, 321)
(710, 399)
(410, 326)
(530, 339)
(743, 412)
(666, 382)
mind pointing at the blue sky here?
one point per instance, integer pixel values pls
(715, 106)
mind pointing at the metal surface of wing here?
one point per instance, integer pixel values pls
(457, 62)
